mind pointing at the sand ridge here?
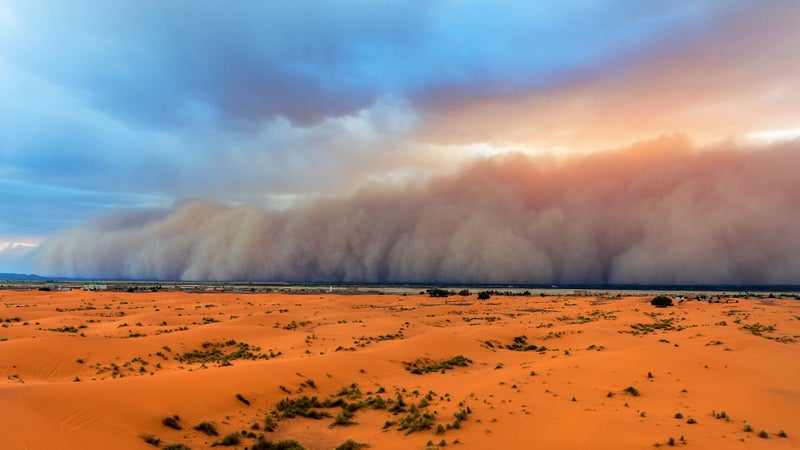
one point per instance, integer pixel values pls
(102, 369)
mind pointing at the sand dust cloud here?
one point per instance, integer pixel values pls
(660, 212)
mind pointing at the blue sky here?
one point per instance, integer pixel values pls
(131, 104)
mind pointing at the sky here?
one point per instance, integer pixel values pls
(247, 140)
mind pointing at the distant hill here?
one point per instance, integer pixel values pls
(22, 277)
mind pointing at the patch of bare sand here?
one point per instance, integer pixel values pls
(100, 370)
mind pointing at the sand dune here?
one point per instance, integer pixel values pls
(102, 369)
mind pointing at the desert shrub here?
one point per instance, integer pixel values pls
(301, 406)
(229, 440)
(747, 427)
(678, 416)
(661, 301)
(416, 421)
(288, 444)
(460, 416)
(632, 390)
(344, 418)
(782, 434)
(172, 422)
(150, 439)
(691, 421)
(350, 444)
(399, 405)
(484, 295)
(269, 424)
(177, 447)
(207, 427)
(242, 399)
(521, 344)
(464, 293)
(763, 434)
(438, 292)
(426, 365)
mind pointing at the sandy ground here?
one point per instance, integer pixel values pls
(88, 370)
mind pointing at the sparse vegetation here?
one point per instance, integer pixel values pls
(632, 390)
(289, 444)
(425, 365)
(242, 399)
(229, 440)
(520, 344)
(438, 292)
(416, 420)
(350, 444)
(223, 353)
(661, 301)
(207, 427)
(150, 439)
(177, 447)
(301, 407)
(172, 422)
(269, 424)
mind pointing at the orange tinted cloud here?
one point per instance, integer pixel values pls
(660, 212)
(738, 78)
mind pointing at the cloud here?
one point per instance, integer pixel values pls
(159, 65)
(660, 212)
(13, 256)
(720, 78)
(148, 105)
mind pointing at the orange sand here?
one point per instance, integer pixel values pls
(568, 396)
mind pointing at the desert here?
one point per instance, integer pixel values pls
(397, 370)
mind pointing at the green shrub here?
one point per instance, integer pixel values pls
(207, 427)
(172, 422)
(344, 418)
(150, 439)
(661, 301)
(269, 424)
(632, 390)
(230, 439)
(350, 444)
(438, 292)
(289, 444)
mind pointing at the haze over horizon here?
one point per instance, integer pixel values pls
(588, 142)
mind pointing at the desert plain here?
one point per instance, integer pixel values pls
(86, 370)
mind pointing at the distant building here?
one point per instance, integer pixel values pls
(95, 287)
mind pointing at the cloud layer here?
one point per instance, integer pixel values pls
(141, 104)
(660, 212)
